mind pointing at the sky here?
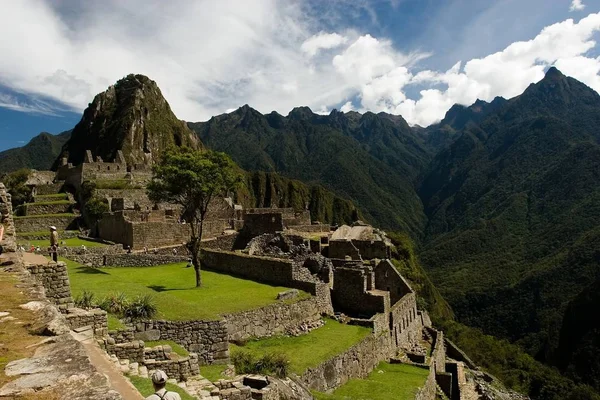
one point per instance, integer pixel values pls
(415, 58)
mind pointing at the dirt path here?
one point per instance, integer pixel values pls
(117, 381)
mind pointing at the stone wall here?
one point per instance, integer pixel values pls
(132, 351)
(273, 319)
(115, 228)
(41, 223)
(429, 389)
(156, 234)
(122, 335)
(180, 369)
(438, 355)
(341, 249)
(389, 279)
(352, 293)
(370, 249)
(404, 322)
(274, 271)
(206, 338)
(96, 319)
(141, 260)
(8, 242)
(264, 222)
(356, 362)
(53, 188)
(55, 279)
(261, 269)
(222, 242)
(45, 208)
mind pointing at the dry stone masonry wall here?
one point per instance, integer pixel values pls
(208, 339)
(96, 319)
(271, 320)
(6, 219)
(55, 279)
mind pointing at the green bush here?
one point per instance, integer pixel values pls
(95, 207)
(85, 300)
(142, 307)
(115, 303)
(270, 364)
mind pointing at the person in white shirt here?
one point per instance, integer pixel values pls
(159, 381)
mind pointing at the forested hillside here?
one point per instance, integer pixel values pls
(514, 206)
(373, 160)
(39, 153)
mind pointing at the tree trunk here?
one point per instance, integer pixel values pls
(196, 260)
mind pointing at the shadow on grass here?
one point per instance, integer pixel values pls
(161, 288)
(89, 270)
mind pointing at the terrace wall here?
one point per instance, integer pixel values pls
(273, 319)
(429, 389)
(274, 271)
(96, 319)
(41, 223)
(141, 260)
(209, 339)
(55, 280)
(356, 362)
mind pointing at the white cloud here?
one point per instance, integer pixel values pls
(322, 41)
(209, 57)
(576, 5)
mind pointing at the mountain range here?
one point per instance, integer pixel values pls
(501, 198)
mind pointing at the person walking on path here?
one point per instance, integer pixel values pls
(159, 381)
(54, 243)
(1, 235)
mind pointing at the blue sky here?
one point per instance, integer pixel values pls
(397, 56)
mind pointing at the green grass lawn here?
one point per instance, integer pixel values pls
(173, 288)
(144, 386)
(312, 349)
(174, 346)
(387, 381)
(71, 242)
(213, 372)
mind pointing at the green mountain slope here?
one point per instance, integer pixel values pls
(268, 189)
(579, 351)
(371, 159)
(512, 204)
(39, 153)
(132, 116)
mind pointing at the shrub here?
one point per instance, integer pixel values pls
(95, 207)
(270, 364)
(115, 303)
(142, 307)
(85, 300)
(244, 362)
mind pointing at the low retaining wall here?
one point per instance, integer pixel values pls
(271, 320)
(356, 362)
(55, 280)
(132, 351)
(180, 369)
(141, 260)
(41, 223)
(45, 208)
(206, 338)
(96, 318)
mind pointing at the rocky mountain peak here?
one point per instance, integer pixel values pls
(132, 116)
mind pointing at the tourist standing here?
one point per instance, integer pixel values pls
(159, 381)
(54, 243)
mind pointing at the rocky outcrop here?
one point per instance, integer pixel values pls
(61, 367)
(132, 116)
(6, 219)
